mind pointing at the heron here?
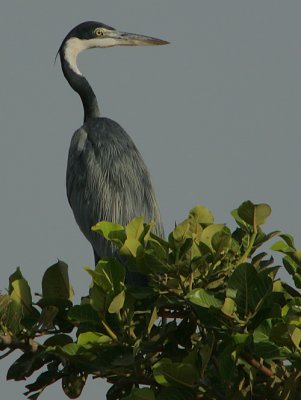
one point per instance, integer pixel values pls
(106, 177)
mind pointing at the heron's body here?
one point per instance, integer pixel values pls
(113, 183)
(106, 176)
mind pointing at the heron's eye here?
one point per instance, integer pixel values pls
(99, 32)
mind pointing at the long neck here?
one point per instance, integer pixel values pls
(80, 84)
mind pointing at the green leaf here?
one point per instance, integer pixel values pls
(294, 269)
(221, 240)
(25, 365)
(55, 283)
(117, 303)
(205, 353)
(92, 338)
(203, 298)
(21, 295)
(175, 393)
(153, 319)
(254, 214)
(295, 334)
(168, 373)
(240, 339)
(262, 332)
(43, 380)
(181, 231)
(58, 340)
(209, 232)
(135, 228)
(70, 349)
(108, 282)
(131, 247)
(268, 350)
(248, 288)
(227, 366)
(110, 231)
(17, 305)
(99, 299)
(240, 222)
(262, 212)
(289, 240)
(201, 215)
(13, 277)
(141, 394)
(282, 247)
(83, 313)
(109, 275)
(73, 384)
(229, 306)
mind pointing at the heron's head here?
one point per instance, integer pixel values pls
(91, 34)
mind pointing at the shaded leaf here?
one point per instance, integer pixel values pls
(58, 340)
(73, 384)
(254, 214)
(248, 288)
(55, 283)
(83, 313)
(167, 373)
(141, 394)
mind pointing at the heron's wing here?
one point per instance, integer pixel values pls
(76, 148)
(107, 180)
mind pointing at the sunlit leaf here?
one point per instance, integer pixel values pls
(295, 334)
(110, 231)
(92, 338)
(209, 232)
(203, 298)
(117, 303)
(181, 231)
(21, 294)
(131, 247)
(201, 215)
(135, 228)
(282, 247)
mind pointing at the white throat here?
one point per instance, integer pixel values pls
(74, 46)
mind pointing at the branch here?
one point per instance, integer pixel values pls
(254, 363)
(13, 343)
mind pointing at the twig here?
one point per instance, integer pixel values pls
(254, 363)
(163, 313)
(246, 254)
(6, 354)
(23, 344)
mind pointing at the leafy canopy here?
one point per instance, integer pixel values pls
(214, 322)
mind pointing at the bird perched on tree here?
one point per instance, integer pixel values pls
(107, 178)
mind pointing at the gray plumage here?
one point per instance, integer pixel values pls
(107, 178)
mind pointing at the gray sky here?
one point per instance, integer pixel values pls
(216, 116)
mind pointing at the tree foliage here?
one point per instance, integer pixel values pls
(214, 322)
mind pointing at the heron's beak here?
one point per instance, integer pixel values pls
(131, 39)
